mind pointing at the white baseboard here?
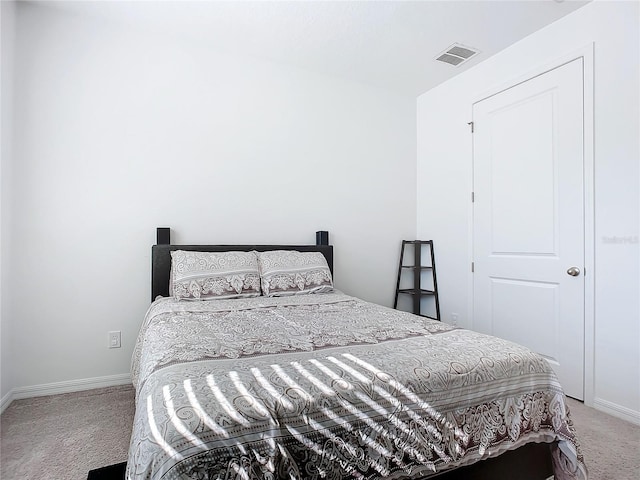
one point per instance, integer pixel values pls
(64, 387)
(6, 400)
(616, 410)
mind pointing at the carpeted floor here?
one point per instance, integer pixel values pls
(62, 437)
(611, 447)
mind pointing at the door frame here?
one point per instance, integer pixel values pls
(587, 55)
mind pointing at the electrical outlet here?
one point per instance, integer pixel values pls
(114, 339)
(454, 319)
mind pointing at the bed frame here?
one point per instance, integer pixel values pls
(529, 462)
(161, 255)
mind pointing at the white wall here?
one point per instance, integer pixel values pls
(119, 131)
(445, 171)
(7, 33)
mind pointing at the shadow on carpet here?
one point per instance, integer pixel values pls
(112, 472)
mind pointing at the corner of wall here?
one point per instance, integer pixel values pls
(7, 43)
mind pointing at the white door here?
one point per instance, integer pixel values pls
(528, 216)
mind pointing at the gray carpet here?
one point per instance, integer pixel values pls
(62, 437)
(611, 447)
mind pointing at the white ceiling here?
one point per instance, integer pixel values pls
(390, 44)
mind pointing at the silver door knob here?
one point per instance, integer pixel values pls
(574, 271)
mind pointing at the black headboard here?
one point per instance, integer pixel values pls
(161, 256)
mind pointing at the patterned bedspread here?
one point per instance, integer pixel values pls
(329, 386)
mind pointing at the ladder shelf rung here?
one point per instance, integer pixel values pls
(422, 267)
(414, 291)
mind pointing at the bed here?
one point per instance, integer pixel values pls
(319, 384)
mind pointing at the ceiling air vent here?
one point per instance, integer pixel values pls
(457, 54)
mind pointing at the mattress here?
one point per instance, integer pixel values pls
(330, 386)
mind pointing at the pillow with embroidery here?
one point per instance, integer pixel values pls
(289, 272)
(214, 275)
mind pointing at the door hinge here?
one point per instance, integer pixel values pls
(473, 197)
(472, 126)
(473, 267)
